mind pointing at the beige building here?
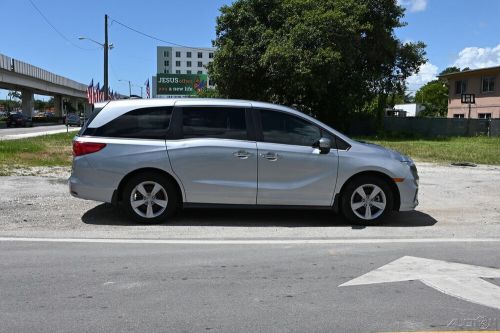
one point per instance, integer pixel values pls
(481, 82)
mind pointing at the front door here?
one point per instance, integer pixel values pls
(290, 170)
(215, 160)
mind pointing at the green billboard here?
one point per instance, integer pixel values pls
(180, 84)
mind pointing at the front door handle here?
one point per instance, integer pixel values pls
(241, 154)
(270, 156)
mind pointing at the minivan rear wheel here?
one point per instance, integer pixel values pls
(367, 200)
(150, 198)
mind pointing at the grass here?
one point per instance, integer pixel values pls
(56, 150)
(479, 150)
(47, 150)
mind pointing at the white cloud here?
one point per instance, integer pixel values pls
(414, 5)
(427, 72)
(478, 57)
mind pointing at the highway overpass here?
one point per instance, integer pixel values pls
(30, 80)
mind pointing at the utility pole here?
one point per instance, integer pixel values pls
(106, 48)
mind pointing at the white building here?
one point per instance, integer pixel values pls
(407, 110)
(183, 60)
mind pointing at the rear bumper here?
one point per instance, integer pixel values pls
(91, 184)
(89, 192)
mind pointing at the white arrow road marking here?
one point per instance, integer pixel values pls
(458, 280)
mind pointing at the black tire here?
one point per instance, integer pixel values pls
(360, 215)
(148, 180)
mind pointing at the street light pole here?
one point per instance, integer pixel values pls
(129, 86)
(106, 46)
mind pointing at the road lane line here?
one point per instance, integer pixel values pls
(249, 241)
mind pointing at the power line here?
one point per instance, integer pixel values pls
(156, 38)
(56, 30)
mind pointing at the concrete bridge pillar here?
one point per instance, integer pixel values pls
(58, 106)
(27, 102)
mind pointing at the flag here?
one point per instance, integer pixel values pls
(147, 89)
(101, 94)
(96, 93)
(90, 92)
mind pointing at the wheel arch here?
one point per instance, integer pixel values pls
(117, 196)
(378, 174)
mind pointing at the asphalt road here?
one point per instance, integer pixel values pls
(28, 132)
(74, 287)
(246, 271)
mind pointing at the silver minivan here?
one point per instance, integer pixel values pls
(152, 157)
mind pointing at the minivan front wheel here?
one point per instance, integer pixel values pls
(367, 200)
(150, 198)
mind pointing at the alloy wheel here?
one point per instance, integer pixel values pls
(368, 202)
(149, 199)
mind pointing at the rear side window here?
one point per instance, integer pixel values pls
(145, 123)
(214, 122)
(279, 127)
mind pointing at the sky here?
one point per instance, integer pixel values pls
(461, 33)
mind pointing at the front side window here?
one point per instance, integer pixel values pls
(188, 54)
(188, 64)
(214, 122)
(279, 127)
(458, 115)
(488, 84)
(178, 54)
(200, 55)
(146, 123)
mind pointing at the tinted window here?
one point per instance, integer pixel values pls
(278, 127)
(224, 123)
(147, 123)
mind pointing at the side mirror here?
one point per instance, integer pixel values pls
(324, 145)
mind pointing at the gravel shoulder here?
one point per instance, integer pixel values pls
(458, 202)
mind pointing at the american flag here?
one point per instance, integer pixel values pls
(101, 94)
(90, 92)
(147, 89)
(96, 93)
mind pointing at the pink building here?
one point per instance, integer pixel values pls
(482, 83)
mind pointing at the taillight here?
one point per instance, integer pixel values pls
(83, 148)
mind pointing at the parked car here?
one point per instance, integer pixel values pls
(74, 120)
(18, 120)
(153, 156)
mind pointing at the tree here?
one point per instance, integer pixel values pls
(434, 96)
(328, 58)
(14, 94)
(449, 70)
